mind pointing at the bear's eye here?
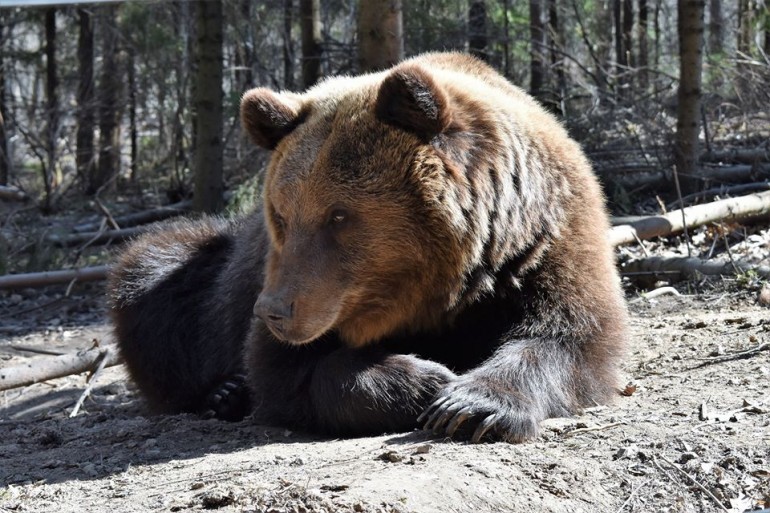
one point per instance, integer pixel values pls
(337, 216)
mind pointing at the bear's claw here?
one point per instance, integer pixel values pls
(471, 410)
(230, 400)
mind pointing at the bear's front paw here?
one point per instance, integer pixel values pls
(230, 400)
(472, 408)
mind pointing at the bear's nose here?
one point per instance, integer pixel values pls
(274, 312)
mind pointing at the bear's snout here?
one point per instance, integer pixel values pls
(275, 313)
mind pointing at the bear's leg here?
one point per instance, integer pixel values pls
(170, 322)
(369, 391)
(523, 383)
(322, 387)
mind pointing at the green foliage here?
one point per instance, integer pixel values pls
(246, 197)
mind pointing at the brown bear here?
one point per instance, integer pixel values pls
(431, 250)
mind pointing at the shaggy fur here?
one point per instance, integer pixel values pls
(432, 245)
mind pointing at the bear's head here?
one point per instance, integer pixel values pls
(365, 206)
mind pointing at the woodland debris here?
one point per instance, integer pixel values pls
(666, 224)
(764, 295)
(42, 279)
(660, 291)
(139, 218)
(95, 238)
(99, 364)
(11, 193)
(45, 368)
(692, 480)
(672, 268)
(740, 355)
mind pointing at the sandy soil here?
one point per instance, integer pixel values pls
(693, 436)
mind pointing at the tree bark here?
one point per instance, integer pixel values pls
(310, 23)
(716, 38)
(690, 27)
(536, 45)
(5, 157)
(477, 30)
(288, 46)
(380, 34)
(110, 92)
(555, 44)
(84, 157)
(207, 103)
(643, 60)
(52, 105)
(133, 131)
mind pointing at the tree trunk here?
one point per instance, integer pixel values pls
(207, 103)
(715, 40)
(745, 32)
(690, 27)
(602, 43)
(310, 22)
(132, 129)
(5, 157)
(628, 32)
(288, 46)
(536, 44)
(244, 77)
(52, 104)
(643, 60)
(477, 30)
(380, 34)
(555, 45)
(506, 40)
(110, 87)
(84, 156)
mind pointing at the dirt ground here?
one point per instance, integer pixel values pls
(692, 436)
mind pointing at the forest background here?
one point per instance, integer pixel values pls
(122, 106)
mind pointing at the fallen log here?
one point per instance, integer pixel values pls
(95, 238)
(689, 268)
(743, 155)
(674, 222)
(11, 193)
(20, 281)
(45, 368)
(715, 191)
(139, 218)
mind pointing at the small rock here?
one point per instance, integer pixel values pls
(391, 456)
(15, 299)
(687, 456)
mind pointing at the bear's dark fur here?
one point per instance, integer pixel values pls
(432, 250)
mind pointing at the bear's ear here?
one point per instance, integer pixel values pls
(411, 99)
(268, 117)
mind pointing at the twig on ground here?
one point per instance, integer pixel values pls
(36, 350)
(662, 291)
(602, 427)
(103, 358)
(740, 355)
(634, 491)
(695, 482)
